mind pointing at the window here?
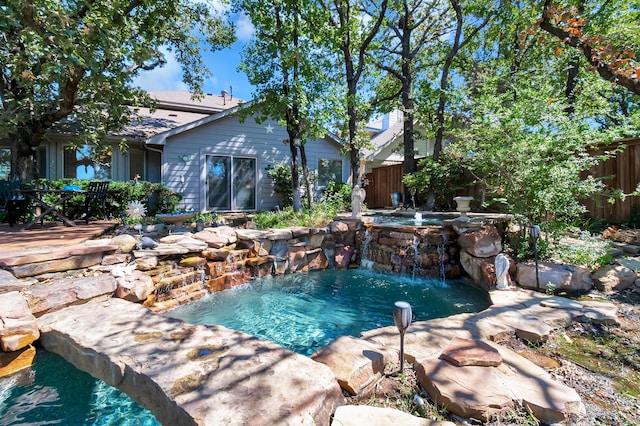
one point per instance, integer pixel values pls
(231, 183)
(136, 164)
(329, 171)
(85, 163)
(5, 163)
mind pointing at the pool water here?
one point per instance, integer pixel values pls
(407, 220)
(304, 312)
(54, 392)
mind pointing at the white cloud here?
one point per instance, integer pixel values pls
(244, 28)
(167, 77)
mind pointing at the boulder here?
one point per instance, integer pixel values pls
(8, 282)
(147, 263)
(135, 287)
(559, 277)
(613, 277)
(342, 256)
(485, 242)
(18, 326)
(481, 270)
(297, 259)
(337, 227)
(125, 243)
(114, 259)
(355, 363)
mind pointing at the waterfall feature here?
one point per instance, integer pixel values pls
(415, 251)
(365, 262)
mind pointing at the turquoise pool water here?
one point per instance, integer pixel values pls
(304, 312)
(54, 392)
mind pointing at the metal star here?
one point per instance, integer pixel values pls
(269, 128)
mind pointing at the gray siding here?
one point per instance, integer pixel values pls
(184, 168)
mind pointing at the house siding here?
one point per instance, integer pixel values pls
(185, 157)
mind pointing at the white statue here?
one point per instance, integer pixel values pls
(503, 280)
(357, 197)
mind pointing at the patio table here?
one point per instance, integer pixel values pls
(36, 196)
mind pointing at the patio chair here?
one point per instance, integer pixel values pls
(12, 202)
(95, 200)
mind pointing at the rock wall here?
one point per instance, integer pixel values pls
(163, 271)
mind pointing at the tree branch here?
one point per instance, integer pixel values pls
(589, 52)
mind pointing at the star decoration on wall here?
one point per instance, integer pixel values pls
(269, 128)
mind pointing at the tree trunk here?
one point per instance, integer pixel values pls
(23, 155)
(305, 174)
(407, 103)
(295, 176)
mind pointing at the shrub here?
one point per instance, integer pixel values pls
(156, 197)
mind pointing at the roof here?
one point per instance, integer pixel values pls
(183, 101)
(175, 109)
(161, 138)
(385, 139)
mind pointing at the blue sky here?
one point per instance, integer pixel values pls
(223, 64)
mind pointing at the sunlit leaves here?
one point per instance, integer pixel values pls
(78, 59)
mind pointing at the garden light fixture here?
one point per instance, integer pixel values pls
(402, 318)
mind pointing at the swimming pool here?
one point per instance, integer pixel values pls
(304, 312)
(301, 312)
(54, 392)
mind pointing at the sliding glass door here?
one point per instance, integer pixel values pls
(231, 183)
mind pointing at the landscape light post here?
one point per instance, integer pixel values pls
(402, 318)
(535, 234)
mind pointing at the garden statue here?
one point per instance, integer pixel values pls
(357, 197)
(502, 272)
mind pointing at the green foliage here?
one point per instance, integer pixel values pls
(80, 58)
(281, 177)
(581, 248)
(446, 177)
(287, 218)
(156, 197)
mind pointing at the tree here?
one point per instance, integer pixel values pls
(413, 24)
(352, 27)
(71, 64)
(288, 81)
(613, 58)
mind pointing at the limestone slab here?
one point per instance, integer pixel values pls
(192, 375)
(358, 415)
(356, 363)
(549, 400)
(463, 352)
(44, 298)
(57, 265)
(470, 392)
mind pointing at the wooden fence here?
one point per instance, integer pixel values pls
(621, 172)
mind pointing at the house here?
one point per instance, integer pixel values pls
(384, 161)
(200, 148)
